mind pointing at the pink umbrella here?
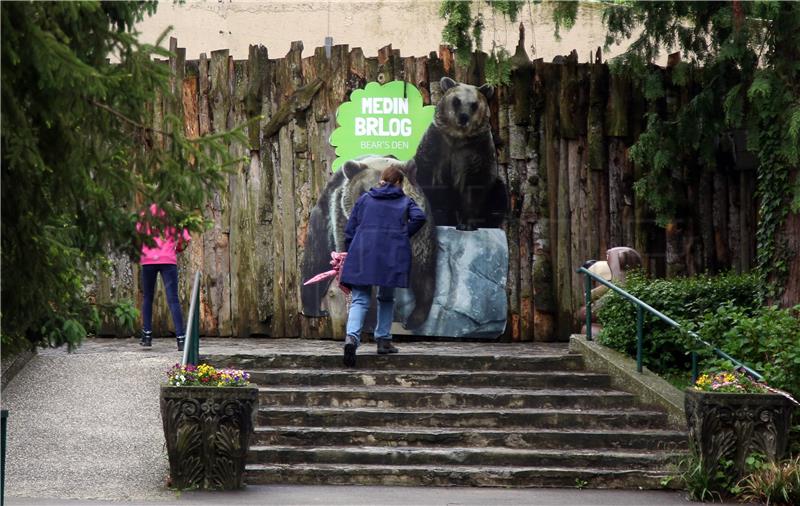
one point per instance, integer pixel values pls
(337, 260)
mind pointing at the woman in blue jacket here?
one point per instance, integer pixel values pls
(378, 254)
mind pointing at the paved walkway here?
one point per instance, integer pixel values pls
(84, 428)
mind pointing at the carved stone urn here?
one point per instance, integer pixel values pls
(731, 426)
(207, 430)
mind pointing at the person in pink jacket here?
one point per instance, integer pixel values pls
(161, 258)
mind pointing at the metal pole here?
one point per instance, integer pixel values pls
(192, 330)
(639, 337)
(3, 458)
(588, 289)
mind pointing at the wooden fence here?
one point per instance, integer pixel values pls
(563, 130)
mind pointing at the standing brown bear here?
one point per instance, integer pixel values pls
(455, 161)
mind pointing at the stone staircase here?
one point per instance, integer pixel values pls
(509, 415)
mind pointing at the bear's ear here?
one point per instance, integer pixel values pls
(487, 90)
(351, 168)
(446, 83)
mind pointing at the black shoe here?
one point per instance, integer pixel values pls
(385, 347)
(181, 340)
(349, 353)
(146, 339)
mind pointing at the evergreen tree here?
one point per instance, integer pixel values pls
(80, 156)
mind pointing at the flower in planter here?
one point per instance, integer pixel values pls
(729, 382)
(206, 375)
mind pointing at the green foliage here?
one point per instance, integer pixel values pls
(701, 484)
(498, 67)
(457, 28)
(766, 338)
(744, 57)
(739, 71)
(772, 483)
(685, 300)
(126, 314)
(78, 148)
(463, 32)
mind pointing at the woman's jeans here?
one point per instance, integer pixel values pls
(361, 296)
(169, 276)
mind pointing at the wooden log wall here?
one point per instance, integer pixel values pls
(562, 129)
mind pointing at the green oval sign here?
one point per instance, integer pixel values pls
(387, 119)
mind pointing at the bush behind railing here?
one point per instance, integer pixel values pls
(685, 300)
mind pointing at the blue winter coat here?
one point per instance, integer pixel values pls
(377, 238)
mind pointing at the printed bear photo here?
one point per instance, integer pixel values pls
(326, 233)
(455, 161)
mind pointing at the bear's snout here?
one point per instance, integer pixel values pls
(463, 119)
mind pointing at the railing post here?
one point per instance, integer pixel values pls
(694, 367)
(191, 352)
(588, 289)
(3, 457)
(639, 337)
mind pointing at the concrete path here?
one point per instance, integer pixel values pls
(85, 429)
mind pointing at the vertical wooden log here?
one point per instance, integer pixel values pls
(597, 150)
(747, 221)
(522, 79)
(421, 79)
(617, 106)
(208, 324)
(572, 110)
(435, 73)
(705, 215)
(216, 240)
(720, 221)
(448, 59)
(249, 252)
(735, 233)
(563, 252)
(385, 65)
(357, 78)
(791, 232)
(541, 270)
(319, 65)
(546, 86)
(191, 260)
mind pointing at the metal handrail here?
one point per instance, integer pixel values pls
(640, 323)
(191, 345)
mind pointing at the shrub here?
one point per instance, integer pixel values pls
(702, 485)
(773, 483)
(765, 338)
(685, 300)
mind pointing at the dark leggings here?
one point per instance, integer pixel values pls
(169, 276)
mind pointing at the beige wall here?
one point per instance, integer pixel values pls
(413, 26)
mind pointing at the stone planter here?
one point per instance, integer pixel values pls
(207, 430)
(727, 426)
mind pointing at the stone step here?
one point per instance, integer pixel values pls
(470, 476)
(487, 418)
(644, 439)
(491, 456)
(416, 398)
(419, 378)
(369, 360)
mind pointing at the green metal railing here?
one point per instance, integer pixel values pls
(640, 308)
(191, 349)
(3, 456)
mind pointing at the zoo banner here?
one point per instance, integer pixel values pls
(457, 283)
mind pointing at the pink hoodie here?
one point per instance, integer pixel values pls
(165, 251)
